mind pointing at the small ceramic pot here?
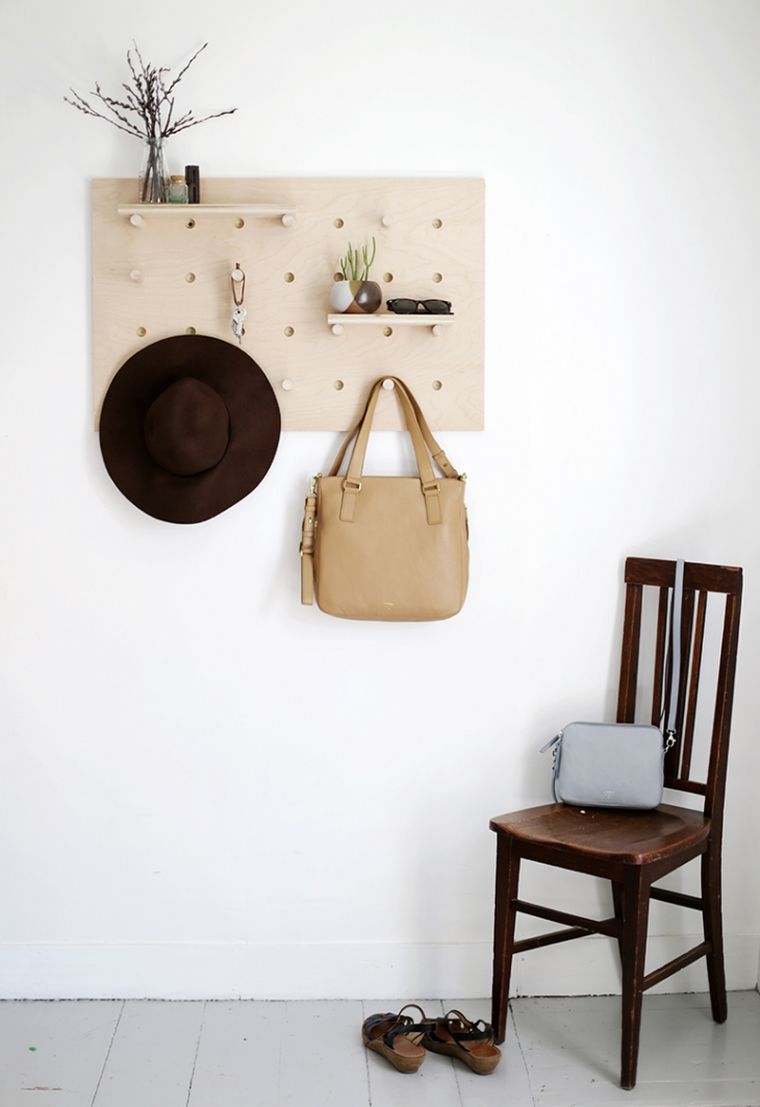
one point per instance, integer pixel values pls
(356, 297)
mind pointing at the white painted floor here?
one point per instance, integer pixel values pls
(559, 1053)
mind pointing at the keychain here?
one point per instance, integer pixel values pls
(238, 295)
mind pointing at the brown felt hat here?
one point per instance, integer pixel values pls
(189, 426)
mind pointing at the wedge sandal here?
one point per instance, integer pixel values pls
(471, 1042)
(397, 1037)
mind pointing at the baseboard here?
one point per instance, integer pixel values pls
(340, 970)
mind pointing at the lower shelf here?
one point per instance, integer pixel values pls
(389, 320)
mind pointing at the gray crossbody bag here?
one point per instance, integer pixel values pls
(620, 764)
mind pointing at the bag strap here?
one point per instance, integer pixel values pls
(437, 452)
(358, 454)
(438, 455)
(675, 653)
(307, 548)
(352, 482)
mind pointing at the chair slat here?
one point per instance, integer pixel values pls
(673, 756)
(716, 775)
(659, 656)
(694, 786)
(696, 667)
(629, 659)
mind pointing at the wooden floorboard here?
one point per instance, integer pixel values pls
(557, 1052)
(266, 1054)
(239, 1059)
(572, 1047)
(151, 1060)
(54, 1052)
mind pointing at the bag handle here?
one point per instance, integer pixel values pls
(352, 483)
(358, 454)
(438, 454)
(422, 441)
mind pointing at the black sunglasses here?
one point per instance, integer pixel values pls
(405, 306)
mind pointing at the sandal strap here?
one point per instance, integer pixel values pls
(373, 1021)
(400, 1023)
(462, 1029)
(407, 1028)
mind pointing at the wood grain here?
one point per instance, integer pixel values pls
(163, 277)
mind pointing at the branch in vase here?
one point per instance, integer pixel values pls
(86, 109)
(182, 72)
(194, 123)
(149, 99)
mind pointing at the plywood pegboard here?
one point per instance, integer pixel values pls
(164, 277)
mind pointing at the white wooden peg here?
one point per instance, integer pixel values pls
(337, 328)
(135, 275)
(388, 383)
(288, 219)
(136, 220)
(237, 274)
(437, 330)
(286, 385)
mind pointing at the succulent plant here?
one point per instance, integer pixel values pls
(356, 264)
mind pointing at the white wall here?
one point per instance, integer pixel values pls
(208, 790)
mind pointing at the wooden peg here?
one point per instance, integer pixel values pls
(286, 385)
(388, 383)
(337, 328)
(288, 219)
(136, 220)
(386, 220)
(135, 275)
(237, 274)
(437, 330)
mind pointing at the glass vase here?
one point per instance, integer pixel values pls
(153, 181)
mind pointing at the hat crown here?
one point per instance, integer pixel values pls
(187, 428)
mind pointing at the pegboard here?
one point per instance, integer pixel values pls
(168, 272)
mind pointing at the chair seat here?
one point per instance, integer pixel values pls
(633, 837)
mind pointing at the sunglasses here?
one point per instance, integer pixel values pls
(404, 306)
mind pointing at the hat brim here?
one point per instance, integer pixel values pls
(254, 427)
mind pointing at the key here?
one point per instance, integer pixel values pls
(238, 323)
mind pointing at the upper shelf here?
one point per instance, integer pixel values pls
(137, 212)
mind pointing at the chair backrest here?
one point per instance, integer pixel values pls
(699, 582)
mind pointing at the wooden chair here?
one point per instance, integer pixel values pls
(632, 849)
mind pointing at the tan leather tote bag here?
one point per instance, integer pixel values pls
(389, 548)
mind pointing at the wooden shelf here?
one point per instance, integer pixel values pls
(338, 320)
(137, 212)
(170, 275)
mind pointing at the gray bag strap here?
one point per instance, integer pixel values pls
(675, 653)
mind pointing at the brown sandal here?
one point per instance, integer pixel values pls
(397, 1037)
(471, 1042)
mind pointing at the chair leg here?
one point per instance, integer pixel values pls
(713, 923)
(507, 876)
(617, 910)
(633, 953)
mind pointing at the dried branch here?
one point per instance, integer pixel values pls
(194, 123)
(148, 110)
(88, 110)
(182, 72)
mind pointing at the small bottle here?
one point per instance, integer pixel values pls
(177, 190)
(193, 178)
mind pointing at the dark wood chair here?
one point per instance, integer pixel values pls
(633, 849)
